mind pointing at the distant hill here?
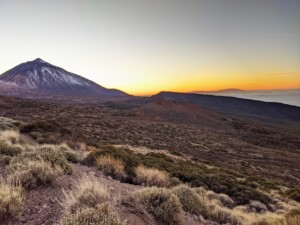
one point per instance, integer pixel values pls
(237, 106)
(40, 77)
(221, 91)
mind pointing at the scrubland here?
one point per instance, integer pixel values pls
(166, 188)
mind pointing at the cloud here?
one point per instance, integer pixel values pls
(282, 74)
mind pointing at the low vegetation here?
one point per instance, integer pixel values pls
(88, 203)
(178, 186)
(151, 177)
(111, 166)
(195, 174)
(88, 193)
(33, 173)
(191, 201)
(162, 204)
(11, 199)
(99, 215)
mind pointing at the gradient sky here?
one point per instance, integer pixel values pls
(143, 47)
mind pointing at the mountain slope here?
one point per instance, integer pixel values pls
(237, 106)
(38, 76)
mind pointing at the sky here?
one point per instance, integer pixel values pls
(147, 46)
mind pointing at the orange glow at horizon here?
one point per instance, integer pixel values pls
(213, 83)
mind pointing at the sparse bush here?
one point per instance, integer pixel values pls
(162, 204)
(89, 193)
(32, 173)
(289, 219)
(294, 194)
(111, 166)
(191, 201)
(152, 177)
(224, 215)
(11, 199)
(55, 156)
(255, 206)
(224, 199)
(9, 149)
(9, 124)
(5, 159)
(100, 215)
(174, 181)
(130, 160)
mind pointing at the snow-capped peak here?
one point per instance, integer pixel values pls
(41, 75)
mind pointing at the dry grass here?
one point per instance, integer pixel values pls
(10, 136)
(191, 201)
(11, 199)
(33, 173)
(88, 193)
(100, 215)
(111, 166)
(162, 204)
(292, 218)
(152, 177)
(54, 155)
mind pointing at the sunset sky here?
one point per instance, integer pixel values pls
(146, 46)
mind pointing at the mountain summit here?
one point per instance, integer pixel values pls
(40, 76)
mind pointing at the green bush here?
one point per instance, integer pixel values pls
(162, 204)
(130, 160)
(191, 201)
(55, 156)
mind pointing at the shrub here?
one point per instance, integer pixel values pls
(100, 215)
(224, 199)
(191, 201)
(162, 204)
(89, 193)
(9, 149)
(223, 215)
(294, 194)
(174, 181)
(5, 159)
(11, 199)
(32, 173)
(54, 155)
(130, 160)
(111, 166)
(152, 177)
(10, 136)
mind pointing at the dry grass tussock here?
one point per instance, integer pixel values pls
(162, 204)
(99, 215)
(10, 143)
(70, 154)
(111, 166)
(191, 201)
(11, 199)
(197, 202)
(152, 177)
(33, 173)
(10, 136)
(292, 218)
(88, 193)
(88, 203)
